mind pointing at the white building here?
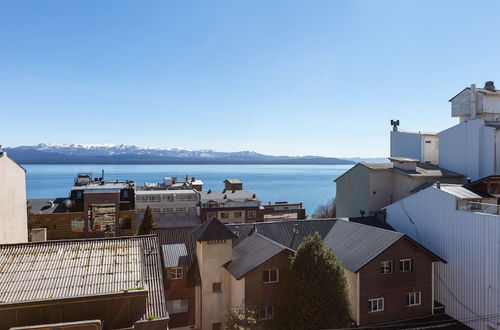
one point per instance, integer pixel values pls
(171, 208)
(416, 145)
(13, 207)
(464, 228)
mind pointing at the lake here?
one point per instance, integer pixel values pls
(311, 184)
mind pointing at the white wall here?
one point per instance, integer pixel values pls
(405, 144)
(13, 209)
(430, 149)
(468, 241)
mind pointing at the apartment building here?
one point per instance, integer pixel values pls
(12, 201)
(113, 282)
(366, 188)
(94, 208)
(215, 266)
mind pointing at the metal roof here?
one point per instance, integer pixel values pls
(101, 191)
(223, 196)
(458, 191)
(105, 185)
(233, 181)
(252, 252)
(166, 192)
(175, 255)
(70, 268)
(211, 230)
(44, 206)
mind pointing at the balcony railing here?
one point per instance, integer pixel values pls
(475, 206)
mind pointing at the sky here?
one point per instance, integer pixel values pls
(276, 77)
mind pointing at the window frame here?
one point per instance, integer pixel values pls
(176, 271)
(382, 267)
(414, 295)
(401, 263)
(214, 284)
(268, 311)
(269, 270)
(377, 300)
(180, 300)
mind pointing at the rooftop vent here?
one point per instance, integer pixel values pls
(209, 191)
(295, 229)
(490, 85)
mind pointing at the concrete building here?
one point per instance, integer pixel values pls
(13, 210)
(216, 266)
(461, 224)
(416, 145)
(368, 187)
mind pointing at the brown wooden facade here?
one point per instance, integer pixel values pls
(180, 289)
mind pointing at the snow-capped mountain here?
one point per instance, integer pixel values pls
(110, 153)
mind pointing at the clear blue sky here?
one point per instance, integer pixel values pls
(277, 77)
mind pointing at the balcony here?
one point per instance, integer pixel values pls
(478, 206)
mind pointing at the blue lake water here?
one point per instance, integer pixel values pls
(311, 184)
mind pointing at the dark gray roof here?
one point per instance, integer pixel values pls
(356, 244)
(252, 252)
(33, 271)
(44, 205)
(175, 255)
(212, 230)
(223, 196)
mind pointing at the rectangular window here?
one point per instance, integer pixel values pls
(405, 265)
(219, 241)
(217, 287)
(376, 305)
(177, 306)
(252, 214)
(168, 210)
(180, 209)
(386, 267)
(191, 209)
(224, 215)
(238, 214)
(140, 210)
(125, 223)
(125, 194)
(176, 273)
(155, 210)
(270, 276)
(414, 299)
(265, 313)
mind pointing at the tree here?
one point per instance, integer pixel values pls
(316, 291)
(148, 222)
(328, 210)
(242, 318)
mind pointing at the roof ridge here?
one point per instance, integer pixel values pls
(270, 241)
(377, 228)
(80, 240)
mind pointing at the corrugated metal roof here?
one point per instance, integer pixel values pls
(166, 192)
(252, 252)
(175, 255)
(101, 191)
(458, 191)
(223, 196)
(69, 268)
(44, 206)
(211, 230)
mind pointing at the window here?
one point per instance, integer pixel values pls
(224, 215)
(125, 194)
(211, 215)
(176, 273)
(191, 209)
(270, 276)
(125, 223)
(79, 194)
(265, 313)
(168, 210)
(252, 214)
(217, 241)
(180, 209)
(405, 265)
(386, 267)
(177, 306)
(414, 299)
(217, 287)
(155, 210)
(170, 198)
(376, 305)
(238, 214)
(217, 326)
(141, 210)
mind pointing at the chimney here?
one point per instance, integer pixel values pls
(490, 85)
(438, 184)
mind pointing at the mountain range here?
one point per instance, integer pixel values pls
(128, 154)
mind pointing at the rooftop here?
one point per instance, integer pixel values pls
(222, 196)
(33, 271)
(47, 205)
(233, 181)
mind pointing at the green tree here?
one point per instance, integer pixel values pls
(328, 210)
(147, 223)
(242, 318)
(316, 294)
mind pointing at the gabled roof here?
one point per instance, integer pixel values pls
(211, 230)
(232, 181)
(458, 191)
(71, 268)
(4, 154)
(252, 252)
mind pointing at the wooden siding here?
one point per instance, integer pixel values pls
(395, 287)
(180, 289)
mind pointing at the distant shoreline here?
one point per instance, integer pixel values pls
(182, 163)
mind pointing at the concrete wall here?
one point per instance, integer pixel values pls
(469, 284)
(430, 149)
(352, 192)
(13, 208)
(380, 193)
(353, 287)
(237, 288)
(211, 258)
(405, 144)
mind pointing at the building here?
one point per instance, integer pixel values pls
(215, 266)
(233, 204)
(463, 225)
(13, 215)
(283, 211)
(117, 281)
(368, 187)
(171, 208)
(94, 208)
(417, 145)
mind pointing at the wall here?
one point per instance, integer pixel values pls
(461, 104)
(211, 258)
(352, 192)
(180, 289)
(469, 284)
(406, 144)
(13, 208)
(430, 149)
(353, 287)
(380, 193)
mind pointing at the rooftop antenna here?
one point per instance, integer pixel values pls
(395, 124)
(102, 175)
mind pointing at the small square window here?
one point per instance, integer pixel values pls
(252, 214)
(176, 273)
(238, 214)
(386, 267)
(405, 265)
(217, 287)
(414, 299)
(224, 215)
